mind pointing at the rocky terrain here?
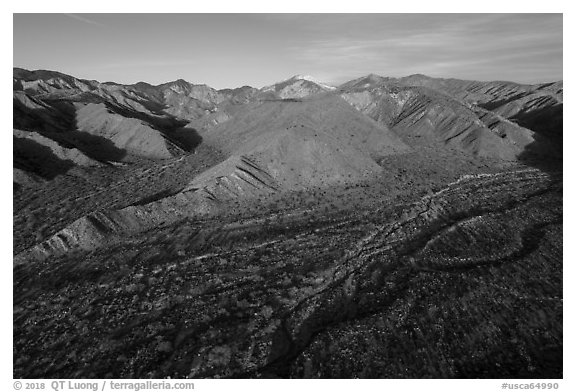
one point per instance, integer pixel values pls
(455, 113)
(387, 227)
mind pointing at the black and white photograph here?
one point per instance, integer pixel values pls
(287, 196)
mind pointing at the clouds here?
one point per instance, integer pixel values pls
(147, 64)
(86, 20)
(227, 50)
(521, 47)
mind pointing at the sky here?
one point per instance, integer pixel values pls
(232, 50)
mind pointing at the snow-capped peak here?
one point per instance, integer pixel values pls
(297, 78)
(304, 77)
(311, 79)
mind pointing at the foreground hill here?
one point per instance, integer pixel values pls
(272, 147)
(306, 143)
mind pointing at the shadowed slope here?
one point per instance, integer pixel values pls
(130, 134)
(70, 154)
(37, 159)
(32, 113)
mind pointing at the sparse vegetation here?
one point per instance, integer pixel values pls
(305, 293)
(292, 236)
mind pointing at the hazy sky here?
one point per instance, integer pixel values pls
(225, 50)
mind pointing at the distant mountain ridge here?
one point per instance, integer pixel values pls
(494, 119)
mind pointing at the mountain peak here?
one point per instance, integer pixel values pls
(180, 82)
(304, 77)
(418, 76)
(311, 79)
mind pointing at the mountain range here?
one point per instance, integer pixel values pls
(384, 227)
(297, 134)
(109, 122)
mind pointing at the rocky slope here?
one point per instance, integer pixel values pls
(307, 143)
(537, 107)
(448, 113)
(123, 120)
(129, 134)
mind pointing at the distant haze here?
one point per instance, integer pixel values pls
(224, 50)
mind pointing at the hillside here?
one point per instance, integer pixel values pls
(449, 113)
(125, 121)
(307, 143)
(537, 107)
